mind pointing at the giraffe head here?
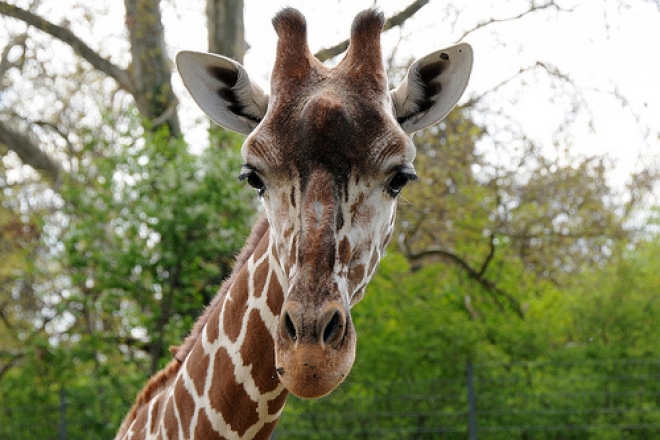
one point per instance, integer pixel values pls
(328, 153)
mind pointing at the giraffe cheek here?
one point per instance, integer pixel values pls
(357, 296)
(356, 283)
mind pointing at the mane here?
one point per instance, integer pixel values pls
(258, 231)
(155, 385)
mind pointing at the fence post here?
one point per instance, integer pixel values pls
(62, 427)
(472, 404)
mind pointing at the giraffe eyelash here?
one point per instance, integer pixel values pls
(249, 174)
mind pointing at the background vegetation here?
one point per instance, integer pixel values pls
(533, 268)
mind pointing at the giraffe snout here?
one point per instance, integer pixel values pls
(315, 347)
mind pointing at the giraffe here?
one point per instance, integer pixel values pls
(328, 152)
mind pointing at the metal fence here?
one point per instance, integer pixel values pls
(598, 399)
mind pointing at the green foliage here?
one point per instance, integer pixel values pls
(617, 309)
(515, 270)
(556, 217)
(415, 339)
(527, 273)
(151, 238)
(575, 367)
(147, 233)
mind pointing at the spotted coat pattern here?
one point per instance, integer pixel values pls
(328, 153)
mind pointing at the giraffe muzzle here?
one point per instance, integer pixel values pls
(315, 348)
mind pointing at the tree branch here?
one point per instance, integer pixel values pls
(120, 75)
(489, 257)
(548, 68)
(5, 64)
(29, 152)
(533, 8)
(393, 21)
(14, 358)
(490, 286)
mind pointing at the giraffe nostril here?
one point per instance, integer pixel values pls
(290, 327)
(331, 327)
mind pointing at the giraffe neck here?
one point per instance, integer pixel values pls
(227, 386)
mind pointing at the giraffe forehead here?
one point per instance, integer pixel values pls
(325, 135)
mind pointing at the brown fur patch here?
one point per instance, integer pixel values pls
(235, 307)
(169, 420)
(185, 405)
(275, 296)
(265, 432)
(212, 327)
(141, 422)
(141, 435)
(198, 365)
(324, 111)
(204, 429)
(277, 403)
(155, 412)
(258, 350)
(355, 207)
(229, 397)
(259, 279)
(317, 244)
(345, 251)
(355, 277)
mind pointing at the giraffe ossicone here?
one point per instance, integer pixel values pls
(328, 152)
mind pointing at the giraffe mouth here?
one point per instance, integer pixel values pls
(314, 352)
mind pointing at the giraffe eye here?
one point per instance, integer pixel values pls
(253, 180)
(398, 181)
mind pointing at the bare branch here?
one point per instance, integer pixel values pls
(54, 128)
(489, 257)
(467, 302)
(488, 285)
(120, 75)
(393, 21)
(14, 358)
(533, 8)
(29, 152)
(551, 70)
(5, 64)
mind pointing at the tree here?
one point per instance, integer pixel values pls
(147, 242)
(226, 29)
(102, 249)
(115, 233)
(554, 217)
(55, 142)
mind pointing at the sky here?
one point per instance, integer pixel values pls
(609, 48)
(611, 53)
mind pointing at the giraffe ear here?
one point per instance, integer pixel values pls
(223, 89)
(432, 87)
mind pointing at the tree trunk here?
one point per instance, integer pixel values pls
(154, 96)
(226, 36)
(226, 31)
